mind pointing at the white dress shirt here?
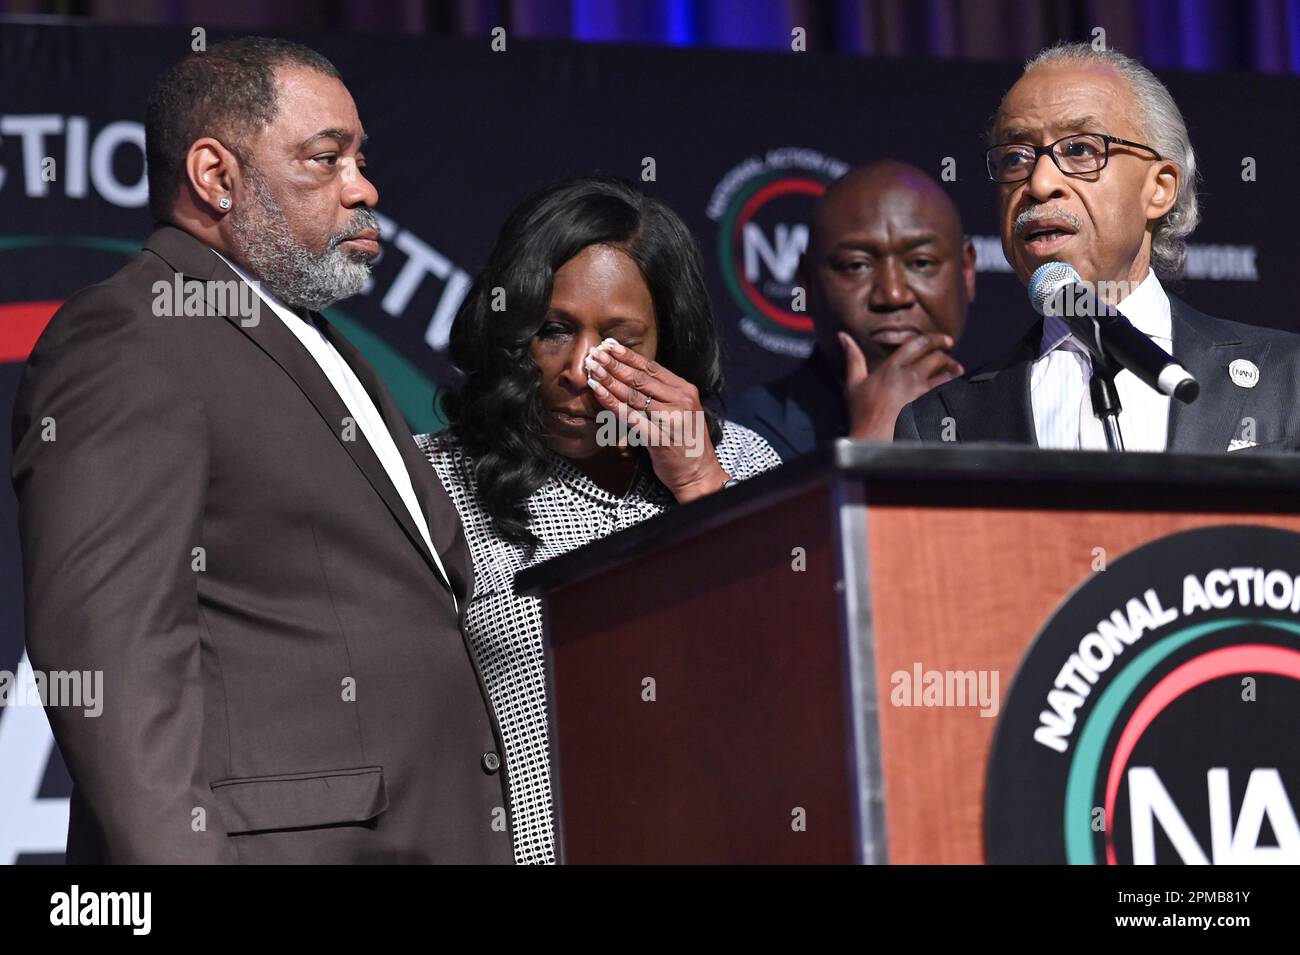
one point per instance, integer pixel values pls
(359, 404)
(1058, 382)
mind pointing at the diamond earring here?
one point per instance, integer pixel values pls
(224, 202)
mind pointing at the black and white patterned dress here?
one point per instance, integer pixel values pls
(569, 510)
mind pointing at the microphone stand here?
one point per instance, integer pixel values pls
(1105, 397)
(1105, 405)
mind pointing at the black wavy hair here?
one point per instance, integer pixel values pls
(496, 415)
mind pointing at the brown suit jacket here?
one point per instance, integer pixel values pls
(285, 677)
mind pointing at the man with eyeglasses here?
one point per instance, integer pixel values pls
(1094, 168)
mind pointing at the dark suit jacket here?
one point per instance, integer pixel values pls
(992, 404)
(301, 689)
(797, 413)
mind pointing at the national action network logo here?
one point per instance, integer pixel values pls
(763, 207)
(1154, 719)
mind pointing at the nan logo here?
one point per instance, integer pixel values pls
(1153, 720)
(762, 207)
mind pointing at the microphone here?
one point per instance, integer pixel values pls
(1055, 289)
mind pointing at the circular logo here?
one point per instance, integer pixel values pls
(1244, 374)
(763, 207)
(1154, 718)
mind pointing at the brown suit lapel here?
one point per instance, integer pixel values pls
(439, 513)
(193, 260)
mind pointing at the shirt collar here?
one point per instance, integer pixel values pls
(1147, 307)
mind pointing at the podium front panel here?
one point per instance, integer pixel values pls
(747, 680)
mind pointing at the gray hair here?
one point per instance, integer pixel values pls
(1164, 130)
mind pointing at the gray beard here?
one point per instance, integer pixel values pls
(291, 272)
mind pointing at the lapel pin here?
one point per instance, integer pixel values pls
(1244, 374)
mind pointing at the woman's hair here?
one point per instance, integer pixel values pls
(496, 415)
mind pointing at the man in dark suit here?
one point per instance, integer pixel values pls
(1094, 167)
(223, 510)
(889, 276)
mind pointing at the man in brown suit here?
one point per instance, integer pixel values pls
(223, 510)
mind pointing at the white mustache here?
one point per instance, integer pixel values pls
(1030, 216)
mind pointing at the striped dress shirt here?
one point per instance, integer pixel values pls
(1058, 382)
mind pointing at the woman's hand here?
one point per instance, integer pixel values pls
(671, 424)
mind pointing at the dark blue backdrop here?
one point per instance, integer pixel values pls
(1256, 35)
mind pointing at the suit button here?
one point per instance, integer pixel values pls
(491, 763)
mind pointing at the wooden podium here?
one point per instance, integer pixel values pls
(720, 675)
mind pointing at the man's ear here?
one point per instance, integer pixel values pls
(212, 171)
(968, 267)
(1164, 189)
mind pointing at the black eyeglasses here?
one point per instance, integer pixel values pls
(1076, 155)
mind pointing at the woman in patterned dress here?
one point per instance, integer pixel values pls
(590, 358)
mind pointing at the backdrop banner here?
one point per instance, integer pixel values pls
(740, 144)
